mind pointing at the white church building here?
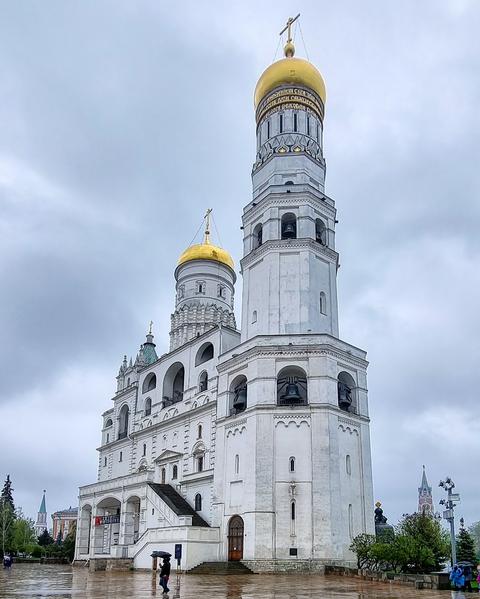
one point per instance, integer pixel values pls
(246, 444)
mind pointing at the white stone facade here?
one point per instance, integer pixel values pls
(250, 444)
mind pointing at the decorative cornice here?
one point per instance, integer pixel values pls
(290, 351)
(290, 244)
(236, 423)
(280, 198)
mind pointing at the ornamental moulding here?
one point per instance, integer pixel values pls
(281, 199)
(288, 351)
(277, 244)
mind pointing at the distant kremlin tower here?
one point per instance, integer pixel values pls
(247, 444)
(425, 499)
(41, 523)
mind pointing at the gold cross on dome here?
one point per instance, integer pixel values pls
(207, 226)
(288, 27)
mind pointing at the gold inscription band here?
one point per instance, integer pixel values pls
(291, 97)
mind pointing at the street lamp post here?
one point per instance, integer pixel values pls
(448, 513)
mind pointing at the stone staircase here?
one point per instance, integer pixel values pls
(220, 568)
(177, 503)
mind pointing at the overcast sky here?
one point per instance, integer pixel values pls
(121, 122)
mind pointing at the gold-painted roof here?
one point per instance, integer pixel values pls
(290, 71)
(206, 251)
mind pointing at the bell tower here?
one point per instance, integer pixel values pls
(289, 263)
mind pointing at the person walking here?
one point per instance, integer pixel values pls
(467, 571)
(165, 574)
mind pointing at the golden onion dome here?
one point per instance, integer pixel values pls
(290, 71)
(206, 251)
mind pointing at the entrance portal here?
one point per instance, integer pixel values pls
(235, 539)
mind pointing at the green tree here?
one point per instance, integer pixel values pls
(466, 547)
(69, 542)
(361, 546)
(45, 539)
(7, 516)
(427, 533)
(474, 530)
(23, 533)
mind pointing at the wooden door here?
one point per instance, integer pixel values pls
(235, 539)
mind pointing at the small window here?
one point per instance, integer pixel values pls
(350, 521)
(108, 423)
(104, 461)
(181, 292)
(295, 122)
(203, 381)
(292, 464)
(108, 437)
(222, 291)
(164, 476)
(237, 464)
(348, 465)
(128, 382)
(268, 129)
(174, 472)
(320, 232)
(199, 431)
(200, 286)
(120, 457)
(281, 123)
(254, 316)
(200, 463)
(144, 449)
(318, 134)
(323, 303)
(198, 502)
(308, 125)
(292, 508)
(257, 236)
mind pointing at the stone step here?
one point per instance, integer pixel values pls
(220, 568)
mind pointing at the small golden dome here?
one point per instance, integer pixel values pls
(206, 251)
(290, 71)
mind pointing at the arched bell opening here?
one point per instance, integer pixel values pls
(204, 354)
(257, 236)
(203, 382)
(123, 422)
(292, 387)
(148, 407)
(149, 383)
(238, 395)
(173, 384)
(346, 392)
(320, 232)
(289, 226)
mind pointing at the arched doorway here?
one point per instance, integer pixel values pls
(235, 539)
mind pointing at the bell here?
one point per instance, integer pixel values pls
(291, 393)
(344, 396)
(240, 400)
(289, 231)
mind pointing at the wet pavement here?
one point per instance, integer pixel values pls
(36, 580)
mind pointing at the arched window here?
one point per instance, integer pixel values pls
(203, 381)
(323, 303)
(200, 463)
(237, 464)
(174, 472)
(199, 431)
(144, 449)
(254, 316)
(292, 464)
(200, 287)
(109, 423)
(149, 383)
(198, 502)
(346, 392)
(348, 464)
(173, 384)
(204, 354)
(123, 422)
(257, 236)
(289, 226)
(164, 476)
(350, 521)
(148, 406)
(291, 386)
(320, 232)
(238, 394)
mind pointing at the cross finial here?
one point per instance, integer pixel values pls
(207, 226)
(288, 28)
(150, 329)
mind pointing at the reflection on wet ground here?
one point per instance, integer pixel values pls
(35, 580)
